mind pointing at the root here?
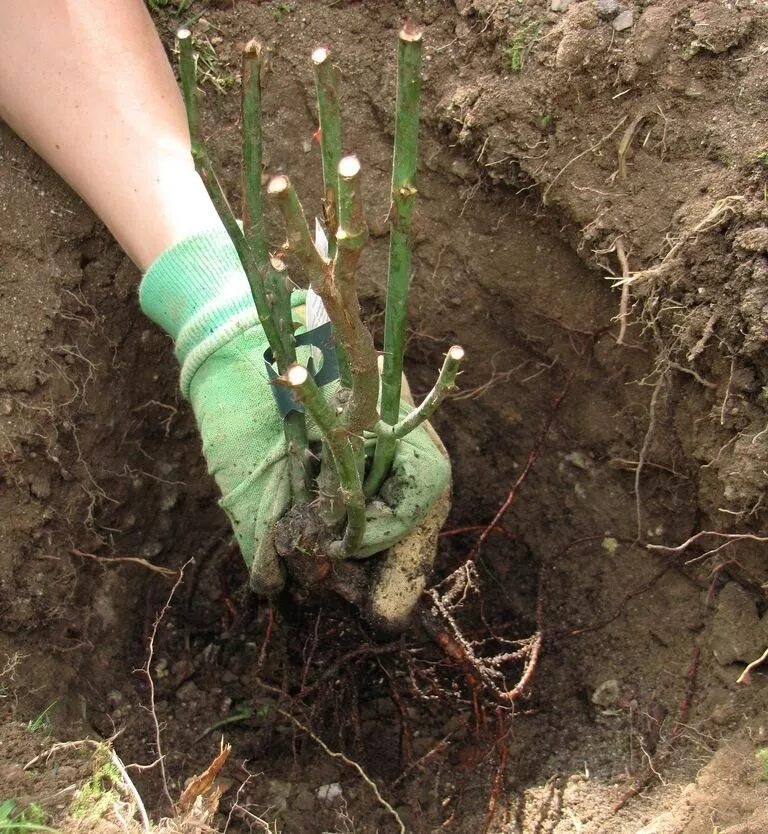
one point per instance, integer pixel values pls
(439, 620)
(746, 675)
(730, 538)
(654, 762)
(590, 149)
(720, 210)
(644, 449)
(134, 560)
(532, 456)
(147, 669)
(334, 754)
(501, 769)
(629, 133)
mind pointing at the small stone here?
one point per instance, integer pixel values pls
(169, 497)
(663, 824)
(559, 5)
(578, 459)
(151, 549)
(651, 33)
(607, 9)
(40, 486)
(330, 793)
(6, 406)
(462, 169)
(607, 693)
(753, 240)
(303, 801)
(624, 21)
(187, 691)
(737, 632)
(695, 89)
(115, 698)
(278, 793)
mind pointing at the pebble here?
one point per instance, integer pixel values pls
(738, 633)
(753, 240)
(625, 20)
(559, 5)
(40, 486)
(607, 9)
(330, 793)
(169, 496)
(651, 34)
(607, 693)
(278, 792)
(151, 549)
(187, 691)
(303, 800)
(663, 824)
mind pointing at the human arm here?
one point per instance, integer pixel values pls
(88, 86)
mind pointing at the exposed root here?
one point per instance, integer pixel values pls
(590, 149)
(746, 675)
(624, 302)
(644, 449)
(147, 669)
(335, 754)
(501, 770)
(132, 560)
(720, 210)
(653, 762)
(532, 456)
(729, 539)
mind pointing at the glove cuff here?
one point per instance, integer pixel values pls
(198, 293)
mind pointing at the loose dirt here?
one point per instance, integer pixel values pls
(566, 145)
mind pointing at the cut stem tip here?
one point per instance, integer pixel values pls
(320, 56)
(456, 353)
(296, 375)
(278, 185)
(349, 167)
(252, 49)
(183, 34)
(410, 32)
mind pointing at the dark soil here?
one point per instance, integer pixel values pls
(552, 143)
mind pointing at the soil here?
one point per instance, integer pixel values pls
(566, 145)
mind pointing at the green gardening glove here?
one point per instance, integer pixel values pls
(198, 293)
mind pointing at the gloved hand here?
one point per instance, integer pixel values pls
(198, 293)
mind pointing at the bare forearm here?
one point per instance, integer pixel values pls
(88, 86)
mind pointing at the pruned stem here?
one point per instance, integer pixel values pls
(299, 240)
(446, 382)
(205, 169)
(399, 271)
(336, 439)
(253, 209)
(276, 284)
(329, 112)
(360, 414)
(274, 316)
(188, 73)
(329, 115)
(335, 284)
